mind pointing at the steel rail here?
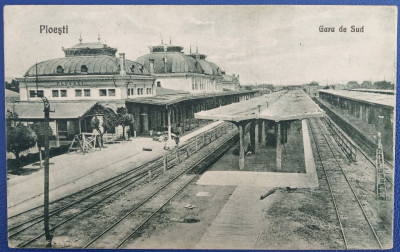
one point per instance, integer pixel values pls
(152, 196)
(352, 189)
(122, 175)
(369, 159)
(95, 193)
(330, 188)
(366, 143)
(144, 174)
(116, 177)
(178, 191)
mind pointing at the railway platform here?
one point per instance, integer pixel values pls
(70, 173)
(273, 113)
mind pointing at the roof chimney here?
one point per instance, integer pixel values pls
(233, 75)
(151, 66)
(122, 64)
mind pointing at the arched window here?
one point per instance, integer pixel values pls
(60, 69)
(84, 69)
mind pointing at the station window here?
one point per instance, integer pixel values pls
(60, 69)
(32, 93)
(140, 91)
(86, 92)
(55, 93)
(40, 93)
(84, 69)
(130, 91)
(111, 92)
(78, 92)
(63, 93)
(148, 90)
(102, 92)
(158, 84)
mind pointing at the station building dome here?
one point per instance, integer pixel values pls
(88, 72)
(169, 58)
(87, 58)
(207, 66)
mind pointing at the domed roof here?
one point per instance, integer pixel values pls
(102, 64)
(209, 67)
(176, 62)
(87, 58)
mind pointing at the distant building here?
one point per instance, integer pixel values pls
(230, 82)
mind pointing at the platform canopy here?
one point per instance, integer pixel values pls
(62, 110)
(278, 106)
(167, 97)
(371, 98)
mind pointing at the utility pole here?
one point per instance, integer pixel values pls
(46, 217)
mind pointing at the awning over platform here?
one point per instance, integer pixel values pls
(169, 99)
(62, 110)
(278, 106)
(295, 105)
(371, 98)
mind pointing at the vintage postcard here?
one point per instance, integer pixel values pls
(200, 127)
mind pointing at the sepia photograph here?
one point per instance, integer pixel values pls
(250, 127)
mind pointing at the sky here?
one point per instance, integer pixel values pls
(263, 44)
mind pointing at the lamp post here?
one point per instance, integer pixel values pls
(46, 111)
(46, 218)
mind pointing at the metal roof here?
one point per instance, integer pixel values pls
(10, 94)
(293, 105)
(95, 65)
(278, 106)
(372, 98)
(62, 110)
(177, 62)
(382, 91)
(179, 97)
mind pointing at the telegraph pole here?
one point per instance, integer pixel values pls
(46, 171)
(46, 217)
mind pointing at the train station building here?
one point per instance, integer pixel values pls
(160, 89)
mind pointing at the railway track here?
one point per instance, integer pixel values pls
(71, 207)
(366, 147)
(116, 235)
(388, 167)
(355, 226)
(79, 205)
(26, 219)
